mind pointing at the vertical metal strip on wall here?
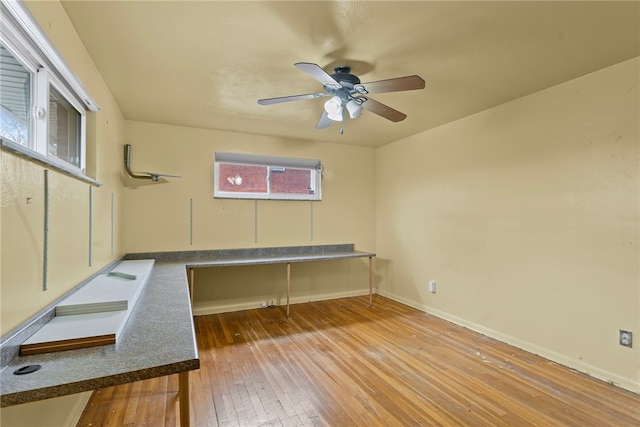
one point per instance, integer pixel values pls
(45, 254)
(112, 223)
(255, 221)
(90, 223)
(191, 221)
(311, 221)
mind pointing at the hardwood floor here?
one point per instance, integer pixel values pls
(341, 363)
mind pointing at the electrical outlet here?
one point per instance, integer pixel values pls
(626, 338)
(432, 286)
(269, 303)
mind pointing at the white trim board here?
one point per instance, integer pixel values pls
(116, 290)
(96, 314)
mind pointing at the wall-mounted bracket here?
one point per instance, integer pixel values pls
(141, 175)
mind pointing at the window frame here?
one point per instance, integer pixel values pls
(82, 137)
(272, 164)
(26, 42)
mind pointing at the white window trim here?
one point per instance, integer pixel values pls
(315, 166)
(20, 27)
(22, 17)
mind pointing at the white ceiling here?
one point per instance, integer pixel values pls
(206, 63)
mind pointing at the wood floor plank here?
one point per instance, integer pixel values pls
(342, 363)
(132, 403)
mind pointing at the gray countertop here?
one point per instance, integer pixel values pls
(157, 340)
(253, 256)
(159, 337)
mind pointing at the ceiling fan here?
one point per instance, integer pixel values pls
(347, 92)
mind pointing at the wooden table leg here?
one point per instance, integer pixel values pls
(288, 285)
(183, 398)
(370, 281)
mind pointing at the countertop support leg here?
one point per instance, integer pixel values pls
(288, 285)
(370, 281)
(183, 398)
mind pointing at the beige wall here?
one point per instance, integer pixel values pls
(22, 213)
(527, 216)
(62, 411)
(158, 214)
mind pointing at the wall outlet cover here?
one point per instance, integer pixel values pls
(626, 338)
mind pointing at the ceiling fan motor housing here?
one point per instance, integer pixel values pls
(343, 76)
(347, 80)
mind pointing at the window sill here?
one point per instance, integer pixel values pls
(35, 157)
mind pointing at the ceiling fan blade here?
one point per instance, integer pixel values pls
(383, 110)
(324, 121)
(269, 101)
(391, 85)
(317, 73)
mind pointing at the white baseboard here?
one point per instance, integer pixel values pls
(212, 307)
(559, 358)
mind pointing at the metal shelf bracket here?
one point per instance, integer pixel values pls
(142, 175)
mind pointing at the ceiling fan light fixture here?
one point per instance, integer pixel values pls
(333, 108)
(335, 117)
(354, 108)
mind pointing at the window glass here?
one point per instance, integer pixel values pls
(236, 178)
(64, 129)
(15, 99)
(291, 181)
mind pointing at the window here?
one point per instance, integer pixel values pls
(15, 99)
(65, 125)
(43, 106)
(243, 176)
